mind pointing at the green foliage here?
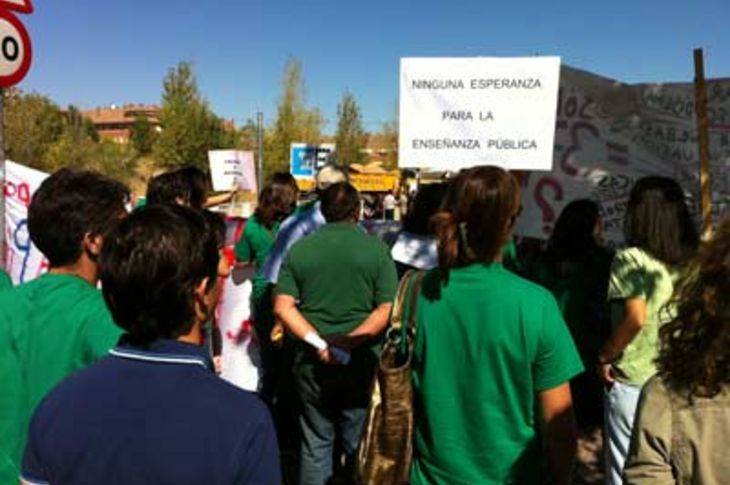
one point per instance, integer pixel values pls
(32, 124)
(189, 126)
(294, 121)
(350, 139)
(389, 133)
(142, 136)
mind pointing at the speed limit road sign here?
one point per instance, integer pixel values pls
(15, 50)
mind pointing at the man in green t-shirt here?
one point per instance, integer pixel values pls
(58, 323)
(344, 282)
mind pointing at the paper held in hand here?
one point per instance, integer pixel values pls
(313, 339)
(229, 168)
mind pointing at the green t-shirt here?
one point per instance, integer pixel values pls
(5, 281)
(340, 275)
(50, 327)
(636, 274)
(254, 246)
(486, 343)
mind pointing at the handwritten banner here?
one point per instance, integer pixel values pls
(23, 260)
(609, 134)
(462, 112)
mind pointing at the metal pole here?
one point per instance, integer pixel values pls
(703, 138)
(260, 148)
(3, 241)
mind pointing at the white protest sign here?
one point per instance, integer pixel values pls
(241, 359)
(610, 134)
(462, 112)
(232, 167)
(22, 259)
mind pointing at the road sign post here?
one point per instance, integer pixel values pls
(15, 58)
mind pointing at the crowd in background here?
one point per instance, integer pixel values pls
(515, 357)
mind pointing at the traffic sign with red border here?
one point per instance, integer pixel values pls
(22, 6)
(16, 76)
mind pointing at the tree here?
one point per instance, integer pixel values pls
(389, 135)
(294, 122)
(32, 124)
(189, 126)
(142, 136)
(350, 139)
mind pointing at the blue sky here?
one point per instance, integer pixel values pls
(97, 52)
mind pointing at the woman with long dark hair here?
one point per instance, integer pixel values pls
(660, 237)
(683, 420)
(575, 268)
(276, 201)
(492, 354)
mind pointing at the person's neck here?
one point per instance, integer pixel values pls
(194, 336)
(84, 268)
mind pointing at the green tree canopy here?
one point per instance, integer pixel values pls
(189, 126)
(142, 135)
(33, 123)
(294, 121)
(350, 139)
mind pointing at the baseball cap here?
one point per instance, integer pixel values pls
(329, 175)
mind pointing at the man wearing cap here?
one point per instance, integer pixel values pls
(304, 221)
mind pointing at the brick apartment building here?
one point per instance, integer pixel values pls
(115, 122)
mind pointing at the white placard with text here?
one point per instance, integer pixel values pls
(462, 112)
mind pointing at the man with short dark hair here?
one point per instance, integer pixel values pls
(58, 323)
(154, 411)
(336, 284)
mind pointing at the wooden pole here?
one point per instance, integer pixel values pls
(703, 139)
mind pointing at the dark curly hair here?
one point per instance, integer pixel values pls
(694, 355)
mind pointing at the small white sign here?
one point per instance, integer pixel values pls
(229, 168)
(462, 112)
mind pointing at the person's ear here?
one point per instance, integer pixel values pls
(204, 300)
(92, 244)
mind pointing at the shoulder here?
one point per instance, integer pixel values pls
(234, 405)
(632, 256)
(526, 289)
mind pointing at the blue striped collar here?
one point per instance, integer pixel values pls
(164, 351)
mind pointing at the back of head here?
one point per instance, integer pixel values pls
(658, 220)
(424, 205)
(340, 203)
(476, 218)
(198, 185)
(169, 188)
(329, 175)
(694, 354)
(574, 234)
(151, 265)
(69, 205)
(277, 200)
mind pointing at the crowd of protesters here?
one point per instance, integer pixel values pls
(513, 358)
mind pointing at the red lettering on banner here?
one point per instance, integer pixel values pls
(20, 192)
(543, 202)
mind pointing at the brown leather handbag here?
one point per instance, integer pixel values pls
(385, 450)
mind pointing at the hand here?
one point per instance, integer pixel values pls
(605, 374)
(345, 342)
(218, 364)
(325, 356)
(277, 335)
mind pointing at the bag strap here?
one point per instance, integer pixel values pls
(413, 304)
(396, 314)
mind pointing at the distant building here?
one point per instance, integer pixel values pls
(115, 122)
